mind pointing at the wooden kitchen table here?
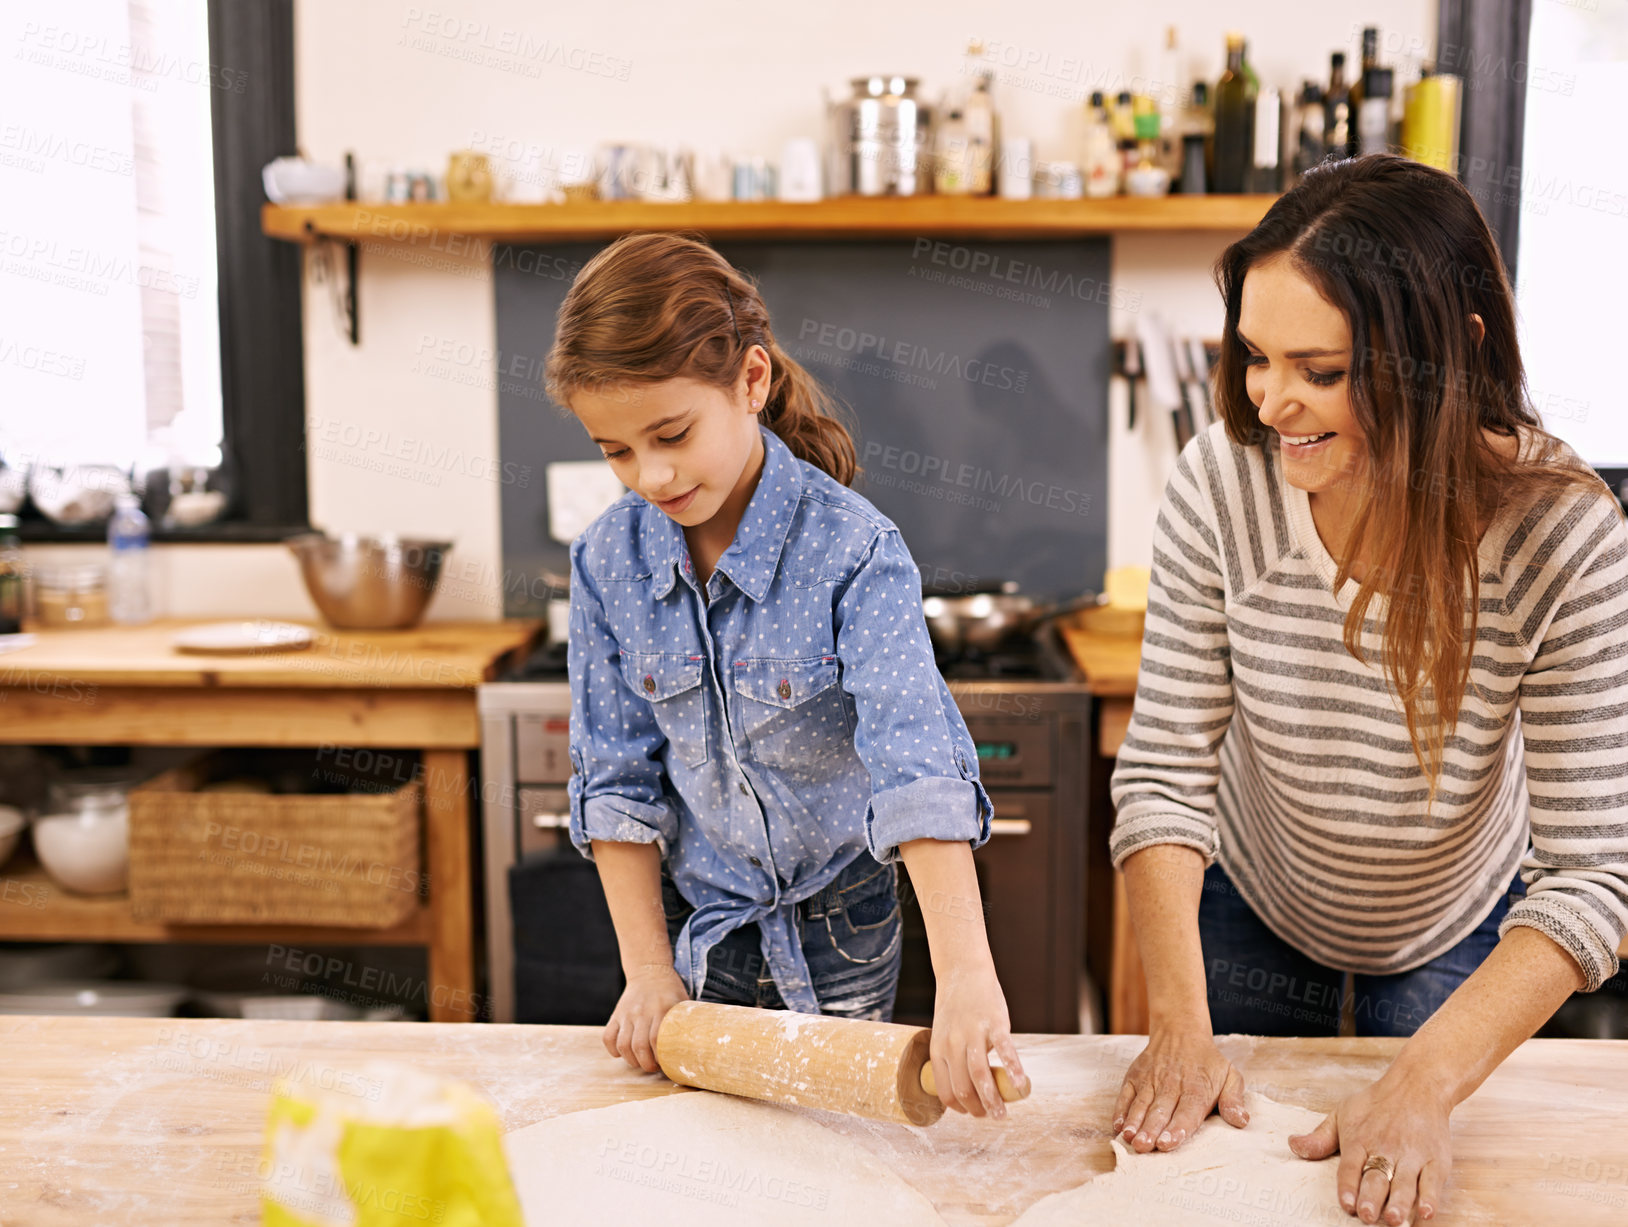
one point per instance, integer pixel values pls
(161, 1121)
(411, 690)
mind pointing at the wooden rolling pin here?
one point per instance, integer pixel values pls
(879, 1070)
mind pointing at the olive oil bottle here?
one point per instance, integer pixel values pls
(1235, 95)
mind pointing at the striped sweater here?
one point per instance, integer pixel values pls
(1257, 738)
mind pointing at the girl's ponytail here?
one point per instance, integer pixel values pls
(652, 307)
(805, 416)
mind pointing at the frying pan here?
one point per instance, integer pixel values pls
(988, 620)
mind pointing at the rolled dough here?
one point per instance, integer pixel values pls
(700, 1158)
(1220, 1175)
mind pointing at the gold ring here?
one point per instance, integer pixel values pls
(1380, 1164)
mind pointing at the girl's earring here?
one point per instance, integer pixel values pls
(754, 404)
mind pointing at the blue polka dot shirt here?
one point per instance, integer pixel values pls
(769, 730)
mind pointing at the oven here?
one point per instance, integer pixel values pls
(1031, 718)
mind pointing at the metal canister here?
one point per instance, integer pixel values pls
(881, 136)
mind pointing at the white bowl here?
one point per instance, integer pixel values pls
(298, 1007)
(192, 507)
(296, 181)
(27, 964)
(99, 998)
(88, 851)
(13, 486)
(77, 493)
(12, 823)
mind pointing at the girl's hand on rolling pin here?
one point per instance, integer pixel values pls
(1171, 1087)
(631, 1031)
(970, 1019)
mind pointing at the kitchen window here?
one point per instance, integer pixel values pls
(145, 323)
(1573, 250)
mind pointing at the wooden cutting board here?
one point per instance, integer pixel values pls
(435, 655)
(159, 1121)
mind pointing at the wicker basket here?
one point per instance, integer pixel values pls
(348, 859)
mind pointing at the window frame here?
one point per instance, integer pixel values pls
(262, 346)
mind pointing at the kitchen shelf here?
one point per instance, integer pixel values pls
(66, 917)
(846, 217)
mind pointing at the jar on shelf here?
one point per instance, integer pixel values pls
(71, 595)
(13, 577)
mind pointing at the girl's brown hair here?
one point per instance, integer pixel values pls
(1405, 254)
(652, 307)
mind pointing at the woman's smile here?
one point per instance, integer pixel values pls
(1304, 447)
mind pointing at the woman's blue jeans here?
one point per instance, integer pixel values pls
(1258, 984)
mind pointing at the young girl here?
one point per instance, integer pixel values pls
(758, 727)
(1383, 706)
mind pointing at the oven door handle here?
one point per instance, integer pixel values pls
(544, 820)
(1010, 826)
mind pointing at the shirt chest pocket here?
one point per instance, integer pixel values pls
(671, 684)
(792, 712)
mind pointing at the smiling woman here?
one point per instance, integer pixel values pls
(1383, 707)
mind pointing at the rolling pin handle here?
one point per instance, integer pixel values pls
(1003, 1083)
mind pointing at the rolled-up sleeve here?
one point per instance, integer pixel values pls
(618, 793)
(909, 734)
(1165, 781)
(1574, 724)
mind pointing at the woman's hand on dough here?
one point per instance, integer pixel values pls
(631, 1032)
(1172, 1086)
(1398, 1119)
(969, 1020)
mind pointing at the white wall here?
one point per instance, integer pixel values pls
(407, 83)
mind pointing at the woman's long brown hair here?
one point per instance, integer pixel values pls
(1404, 253)
(652, 307)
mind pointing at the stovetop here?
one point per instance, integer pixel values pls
(545, 664)
(1040, 658)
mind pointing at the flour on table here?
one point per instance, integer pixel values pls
(1219, 1175)
(699, 1158)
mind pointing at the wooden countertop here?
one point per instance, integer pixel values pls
(436, 656)
(1109, 662)
(160, 1121)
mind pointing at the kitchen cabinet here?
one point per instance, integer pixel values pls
(412, 689)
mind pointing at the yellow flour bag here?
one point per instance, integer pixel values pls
(386, 1146)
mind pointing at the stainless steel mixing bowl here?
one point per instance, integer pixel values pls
(362, 582)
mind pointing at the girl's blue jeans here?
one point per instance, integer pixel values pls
(852, 936)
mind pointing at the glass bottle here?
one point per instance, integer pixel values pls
(1170, 104)
(978, 122)
(13, 571)
(1338, 130)
(129, 575)
(1100, 157)
(950, 156)
(1370, 59)
(1310, 145)
(1374, 115)
(1235, 95)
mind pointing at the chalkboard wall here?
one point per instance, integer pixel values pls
(976, 372)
